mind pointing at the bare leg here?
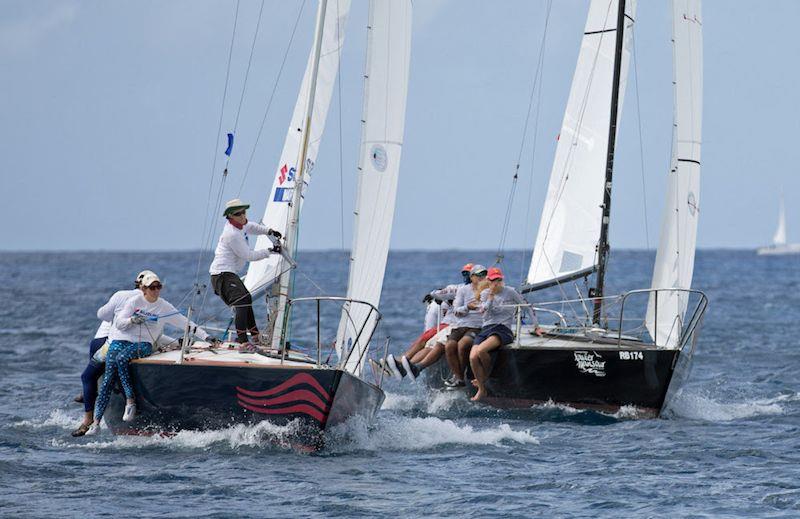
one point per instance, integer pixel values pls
(433, 355)
(419, 356)
(464, 346)
(451, 354)
(479, 360)
(414, 349)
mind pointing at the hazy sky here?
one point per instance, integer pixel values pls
(109, 112)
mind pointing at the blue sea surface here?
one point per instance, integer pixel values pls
(730, 446)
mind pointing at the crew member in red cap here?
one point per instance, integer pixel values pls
(232, 254)
(498, 305)
(442, 298)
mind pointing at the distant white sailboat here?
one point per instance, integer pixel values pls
(779, 245)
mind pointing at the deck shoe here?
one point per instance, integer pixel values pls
(81, 430)
(411, 370)
(93, 429)
(391, 363)
(130, 412)
(79, 398)
(450, 382)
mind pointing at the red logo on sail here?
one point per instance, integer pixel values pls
(282, 175)
(289, 397)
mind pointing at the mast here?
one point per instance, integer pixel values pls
(603, 246)
(281, 319)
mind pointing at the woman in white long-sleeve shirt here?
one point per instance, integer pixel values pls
(136, 327)
(232, 254)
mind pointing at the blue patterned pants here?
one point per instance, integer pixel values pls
(120, 353)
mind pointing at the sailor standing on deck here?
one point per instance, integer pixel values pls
(232, 254)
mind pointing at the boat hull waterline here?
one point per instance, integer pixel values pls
(195, 396)
(586, 376)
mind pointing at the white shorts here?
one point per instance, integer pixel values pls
(441, 336)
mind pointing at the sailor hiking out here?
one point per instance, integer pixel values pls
(135, 329)
(232, 254)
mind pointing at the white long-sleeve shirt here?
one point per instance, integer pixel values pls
(233, 249)
(106, 312)
(122, 329)
(432, 315)
(466, 318)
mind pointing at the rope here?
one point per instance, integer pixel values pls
(204, 238)
(537, 77)
(641, 142)
(271, 96)
(507, 219)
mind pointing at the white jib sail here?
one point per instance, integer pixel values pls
(385, 89)
(260, 274)
(780, 233)
(675, 257)
(569, 228)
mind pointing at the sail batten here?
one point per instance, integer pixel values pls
(571, 220)
(674, 264)
(385, 92)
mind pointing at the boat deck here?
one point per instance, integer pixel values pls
(202, 354)
(597, 339)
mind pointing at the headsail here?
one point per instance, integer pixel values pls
(675, 257)
(385, 89)
(569, 228)
(276, 215)
(780, 233)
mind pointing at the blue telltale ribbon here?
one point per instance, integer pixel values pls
(230, 145)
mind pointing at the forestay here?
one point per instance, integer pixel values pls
(675, 257)
(262, 273)
(569, 228)
(385, 88)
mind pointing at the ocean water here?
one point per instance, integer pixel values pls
(729, 447)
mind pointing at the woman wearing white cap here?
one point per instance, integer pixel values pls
(232, 254)
(97, 351)
(136, 327)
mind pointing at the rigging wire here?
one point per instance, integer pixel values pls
(507, 219)
(341, 153)
(209, 218)
(641, 141)
(540, 73)
(272, 96)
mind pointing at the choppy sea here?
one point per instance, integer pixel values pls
(729, 446)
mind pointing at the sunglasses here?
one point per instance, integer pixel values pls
(480, 274)
(239, 213)
(155, 287)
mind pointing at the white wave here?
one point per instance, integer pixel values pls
(262, 434)
(57, 418)
(413, 434)
(396, 402)
(699, 407)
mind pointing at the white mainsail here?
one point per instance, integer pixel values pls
(569, 228)
(260, 274)
(780, 233)
(385, 89)
(675, 257)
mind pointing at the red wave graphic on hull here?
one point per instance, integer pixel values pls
(302, 401)
(301, 395)
(295, 409)
(300, 378)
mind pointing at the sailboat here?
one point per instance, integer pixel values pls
(201, 387)
(605, 351)
(779, 245)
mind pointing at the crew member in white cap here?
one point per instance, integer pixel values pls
(232, 254)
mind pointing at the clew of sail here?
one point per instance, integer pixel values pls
(385, 89)
(569, 228)
(261, 274)
(674, 264)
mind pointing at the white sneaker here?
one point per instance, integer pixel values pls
(130, 412)
(409, 370)
(392, 365)
(94, 429)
